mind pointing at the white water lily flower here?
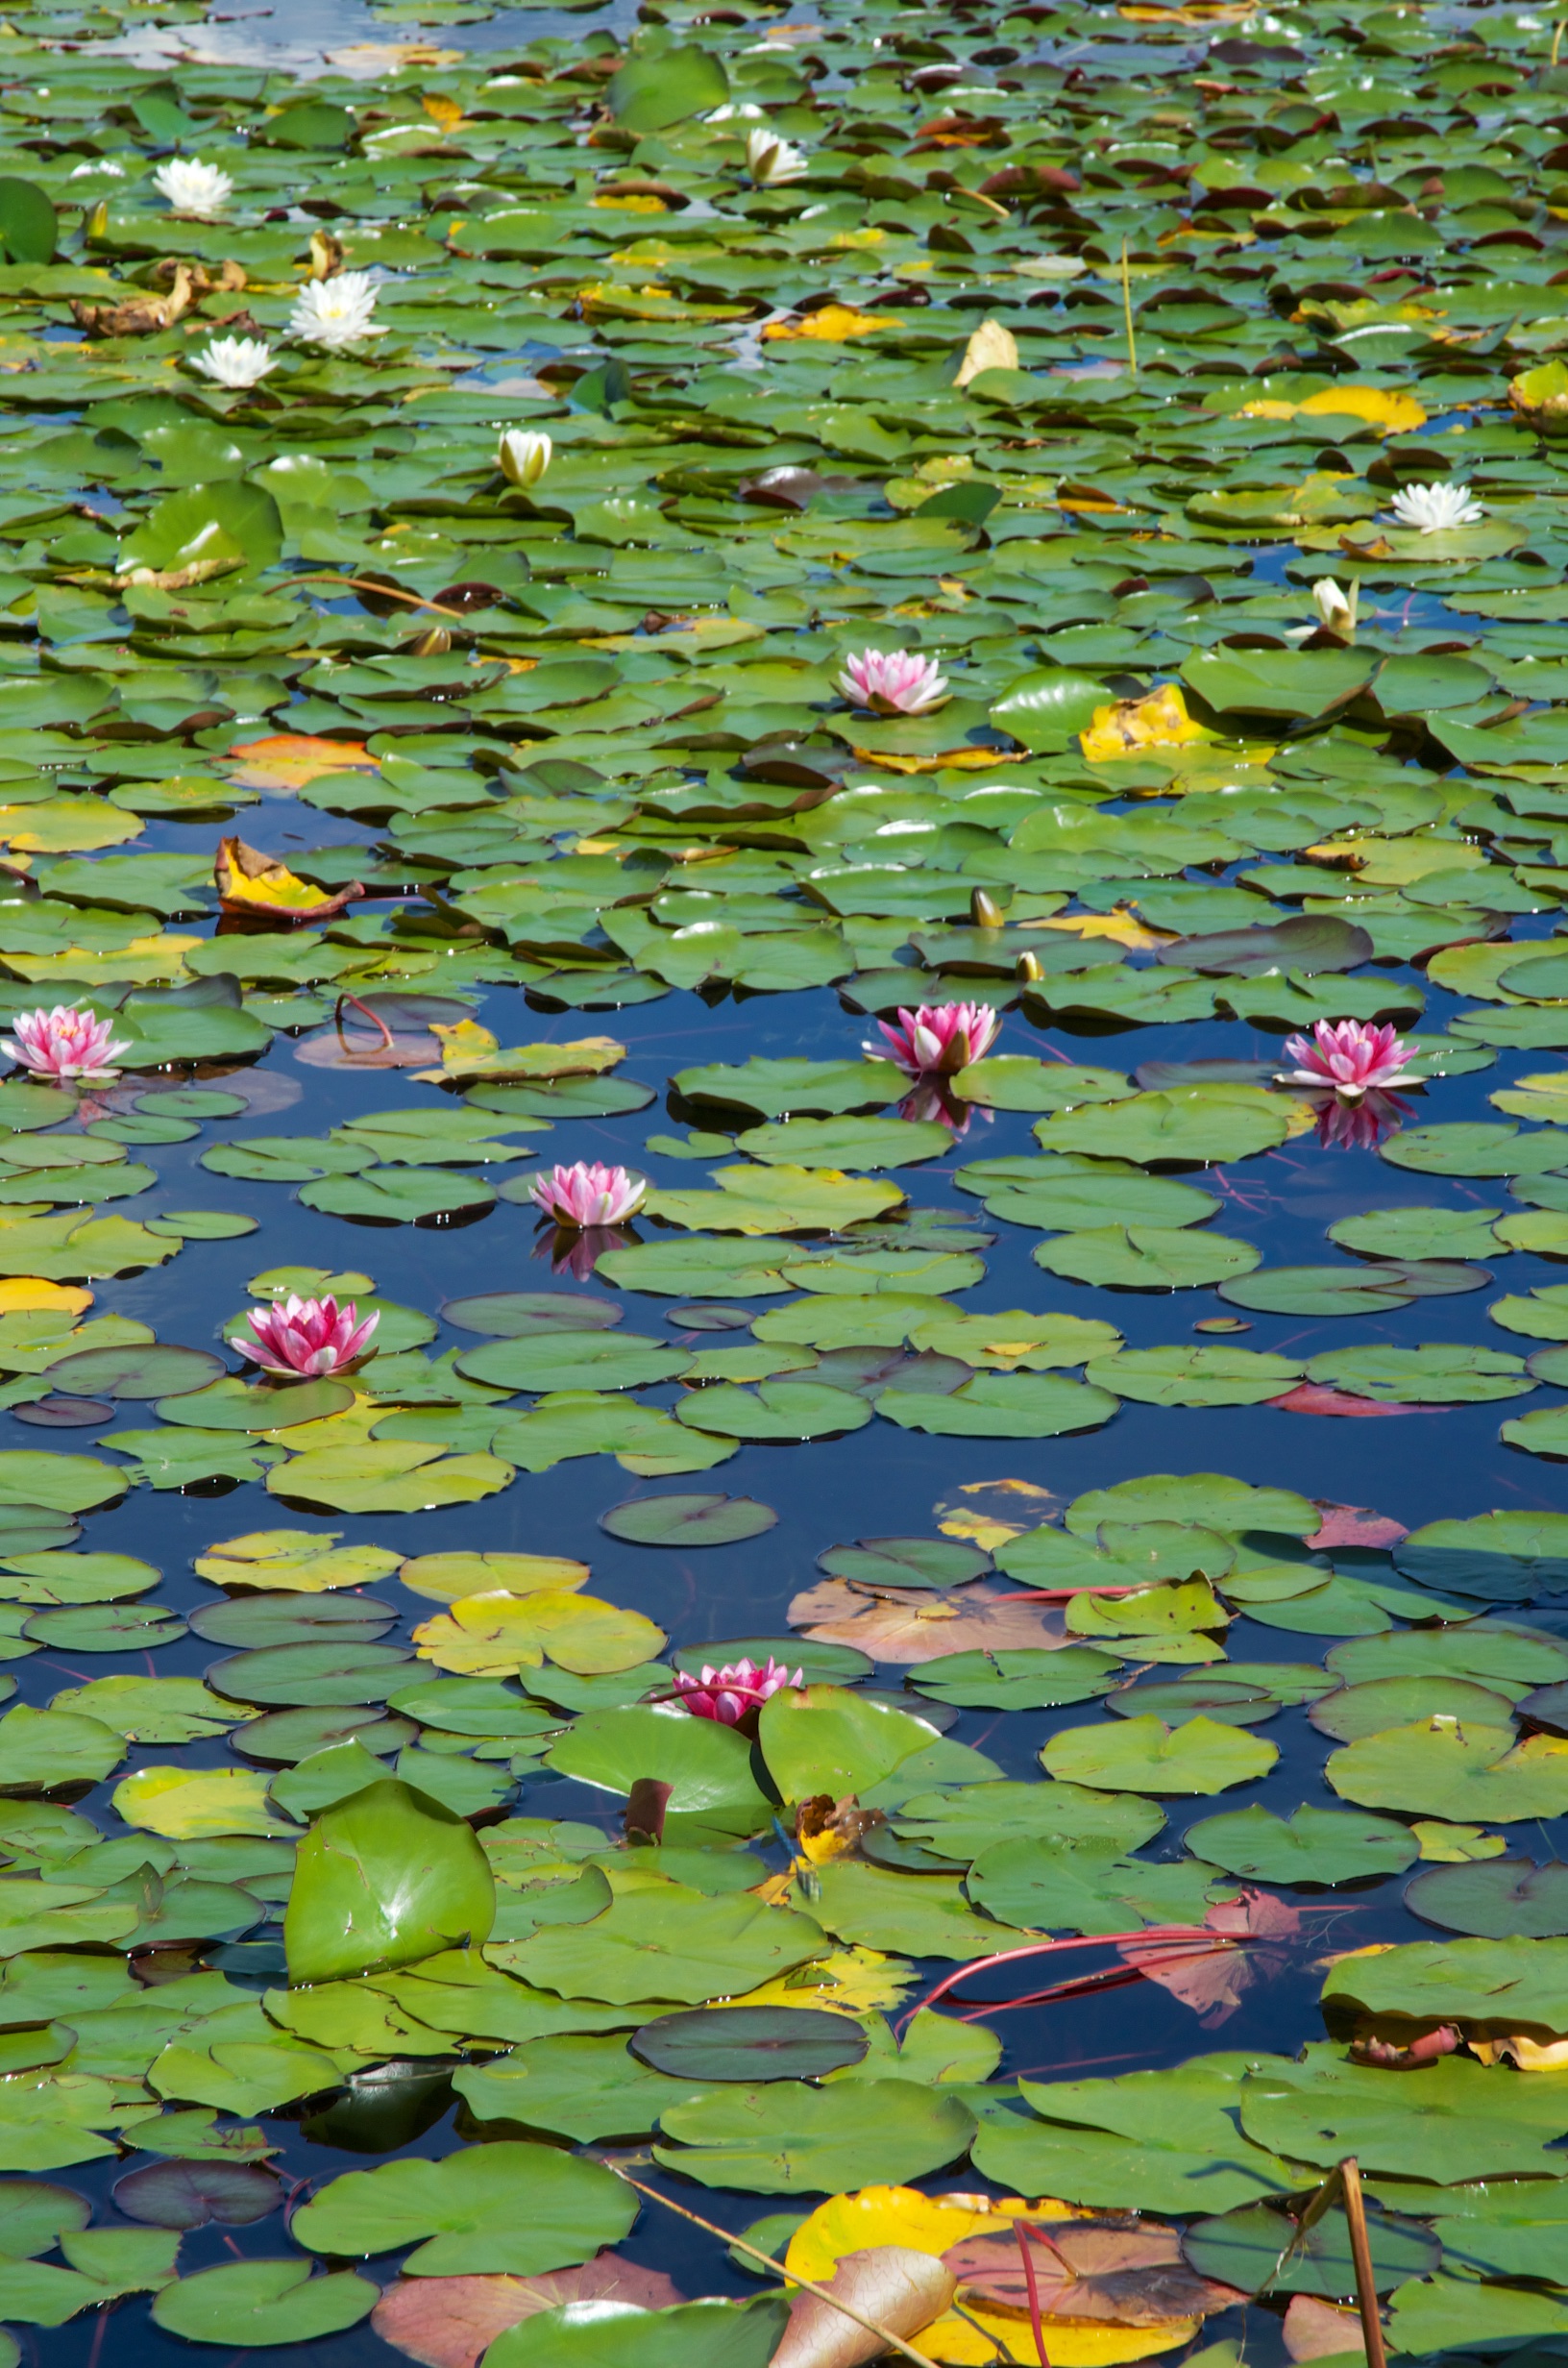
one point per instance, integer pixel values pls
(104, 166)
(735, 110)
(769, 160)
(1335, 608)
(523, 457)
(1433, 510)
(192, 188)
(235, 361)
(336, 314)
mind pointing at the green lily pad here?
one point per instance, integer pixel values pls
(258, 2304)
(1496, 1899)
(668, 1942)
(1146, 1257)
(1244, 2248)
(595, 1360)
(1502, 1557)
(1023, 1680)
(790, 2139)
(504, 2208)
(1143, 1755)
(384, 1878)
(1195, 1376)
(1468, 1774)
(1311, 1845)
(749, 2044)
(688, 1520)
(1460, 2121)
(1437, 1373)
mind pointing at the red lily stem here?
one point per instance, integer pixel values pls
(374, 1017)
(1034, 2327)
(1111, 1977)
(1045, 1948)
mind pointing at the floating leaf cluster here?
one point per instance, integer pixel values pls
(1047, 517)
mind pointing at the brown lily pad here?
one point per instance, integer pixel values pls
(909, 1624)
(452, 2322)
(1122, 2272)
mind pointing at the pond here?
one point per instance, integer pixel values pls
(828, 751)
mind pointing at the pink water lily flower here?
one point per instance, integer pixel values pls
(584, 1194)
(307, 1337)
(937, 1039)
(733, 1692)
(67, 1046)
(1350, 1057)
(892, 682)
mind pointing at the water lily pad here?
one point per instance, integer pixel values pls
(388, 1476)
(1016, 1681)
(385, 1878)
(1380, 1703)
(1437, 1768)
(192, 2195)
(258, 2304)
(1437, 1373)
(790, 2139)
(1313, 1845)
(688, 1520)
(513, 1315)
(1351, 1291)
(1000, 1406)
(1143, 1755)
(1460, 2121)
(1146, 1257)
(778, 1088)
(1244, 2248)
(668, 1942)
(1496, 1899)
(595, 1360)
(707, 1765)
(778, 1410)
(749, 2044)
(592, 2334)
(1194, 1376)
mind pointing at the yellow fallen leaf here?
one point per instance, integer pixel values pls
(1455, 1846)
(497, 1633)
(442, 111)
(975, 2340)
(1158, 719)
(27, 1291)
(992, 347)
(1385, 408)
(1121, 927)
(248, 882)
(186, 1804)
(848, 2223)
(446, 1578)
(1524, 2054)
(833, 325)
(470, 1051)
(298, 1562)
(842, 1981)
(986, 1524)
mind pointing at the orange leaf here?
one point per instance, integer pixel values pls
(289, 759)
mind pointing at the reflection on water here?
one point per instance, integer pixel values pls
(309, 36)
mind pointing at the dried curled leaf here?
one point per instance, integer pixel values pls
(903, 2292)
